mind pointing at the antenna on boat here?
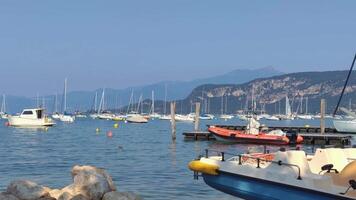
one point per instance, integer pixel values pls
(343, 89)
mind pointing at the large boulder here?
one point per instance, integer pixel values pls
(27, 190)
(121, 196)
(7, 196)
(88, 183)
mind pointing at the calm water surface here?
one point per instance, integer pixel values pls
(140, 157)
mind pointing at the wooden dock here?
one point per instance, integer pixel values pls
(311, 135)
(198, 135)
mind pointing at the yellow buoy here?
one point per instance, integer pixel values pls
(97, 130)
(198, 166)
(116, 125)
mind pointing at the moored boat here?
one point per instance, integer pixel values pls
(30, 118)
(328, 174)
(136, 118)
(346, 126)
(252, 134)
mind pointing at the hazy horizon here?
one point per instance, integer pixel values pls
(120, 44)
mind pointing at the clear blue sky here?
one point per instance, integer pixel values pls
(124, 43)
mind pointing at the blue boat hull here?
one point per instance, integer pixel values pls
(252, 188)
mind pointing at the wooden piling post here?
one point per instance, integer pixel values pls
(197, 113)
(173, 120)
(322, 116)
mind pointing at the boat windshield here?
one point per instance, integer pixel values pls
(39, 114)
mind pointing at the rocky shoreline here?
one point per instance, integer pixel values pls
(89, 183)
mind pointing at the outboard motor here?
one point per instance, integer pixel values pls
(292, 136)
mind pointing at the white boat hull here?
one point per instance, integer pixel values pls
(136, 119)
(25, 122)
(348, 126)
(66, 118)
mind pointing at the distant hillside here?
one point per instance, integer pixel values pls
(270, 93)
(83, 100)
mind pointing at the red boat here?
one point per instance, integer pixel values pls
(241, 136)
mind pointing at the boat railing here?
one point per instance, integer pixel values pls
(239, 158)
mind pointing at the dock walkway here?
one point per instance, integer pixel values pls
(311, 135)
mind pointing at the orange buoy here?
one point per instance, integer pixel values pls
(109, 134)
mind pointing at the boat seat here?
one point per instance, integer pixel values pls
(347, 174)
(350, 153)
(334, 156)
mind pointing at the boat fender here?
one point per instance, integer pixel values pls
(109, 134)
(198, 166)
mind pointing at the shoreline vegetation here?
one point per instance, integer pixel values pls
(89, 183)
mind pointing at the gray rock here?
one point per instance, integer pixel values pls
(65, 196)
(7, 196)
(27, 190)
(89, 182)
(79, 197)
(121, 196)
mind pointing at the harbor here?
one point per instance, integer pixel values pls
(181, 100)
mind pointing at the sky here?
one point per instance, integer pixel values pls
(118, 44)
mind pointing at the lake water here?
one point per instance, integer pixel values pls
(140, 157)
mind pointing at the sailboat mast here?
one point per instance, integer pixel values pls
(222, 104)
(306, 105)
(3, 107)
(95, 101)
(55, 103)
(65, 96)
(301, 104)
(101, 104)
(153, 102)
(37, 101)
(165, 99)
(226, 105)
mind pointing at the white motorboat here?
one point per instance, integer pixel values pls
(328, 174)
(272, 117)
(346, 126)
(66, 118)
(242, 117)
(165, 117)
(105, 116)
(206, 117)
(30, 118)
(155, 116)
(94, 116)
(136, 118)
(226, 117)
(306, 117)
(119, 117)
(56, 116)
(184, 118)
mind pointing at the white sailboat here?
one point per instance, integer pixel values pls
(95, 114)
(165, 116)
(64, 117)
(223, 115)
(153, 114)
(135, 117)
(101, 114)
(3, 114)
(55, 114)
(288, 111)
